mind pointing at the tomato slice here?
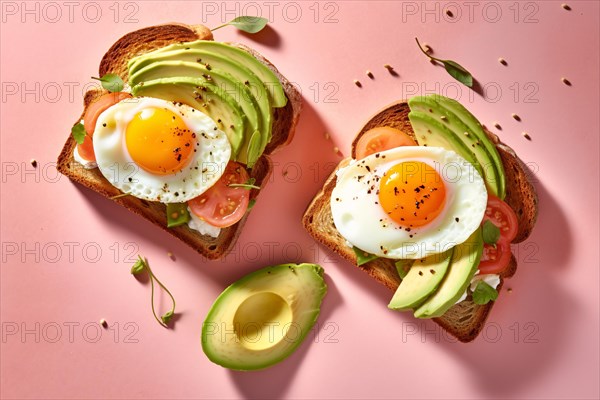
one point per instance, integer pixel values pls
(503, 216)
(495, 259)
(223, 205)
(380, 139)
(86, 149)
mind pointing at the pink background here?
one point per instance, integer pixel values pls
(541, 340)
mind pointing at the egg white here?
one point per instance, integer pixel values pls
(206, 166)
(361, 220)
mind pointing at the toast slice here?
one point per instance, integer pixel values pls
(466, 319)
(115, 61)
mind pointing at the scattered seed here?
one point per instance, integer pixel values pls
(103, 323)
(390, 69)
(357, 83)
(526, 135)
(427, 48)
(449, 13)
(516, 117)
(509, 290)
(33, 162)
(566, 81)
(502, 61)
(497, 126)
(370, 74)
(466, 133)
(327, 136)
(443, 118)
(171, 255)
(336, 150)
(566, 6)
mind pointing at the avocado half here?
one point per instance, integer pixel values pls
(262, 318)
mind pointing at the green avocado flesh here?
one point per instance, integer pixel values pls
(422, 279)
(261, 319)
(462, 268)
(440, 121)
(229, 84)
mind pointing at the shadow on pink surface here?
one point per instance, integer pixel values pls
(534, 336)
(273, 383)
(281, 204)
(268, 37)
(526, 329)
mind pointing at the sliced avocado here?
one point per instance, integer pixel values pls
(206, 97)
(431, 132)
(463, 267)
(212, 52)
(469, 119)
(262, 318)
(463, 133)
(257, 111)
(422, 279)
(458, 119)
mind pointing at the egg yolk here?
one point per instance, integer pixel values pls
(412, 193)
(159, 141)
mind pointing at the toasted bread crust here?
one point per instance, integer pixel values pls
(466, 319)
(115, 61)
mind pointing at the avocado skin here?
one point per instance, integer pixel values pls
(463, 267)
(420, 282)
(306, 280)
(476, 145)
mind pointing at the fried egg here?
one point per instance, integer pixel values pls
(159, 150)
(408, 202)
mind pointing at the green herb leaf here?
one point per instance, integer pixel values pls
(177, 214)
(248, 185)
(362, 257)
(111, 82)
(491, 233)
(458, 72)
(453, 68)
(247, 24)
(142, 265)
(251, 204)
(139, 266)
(403, 266)
(78, 133)
(167, 317)
(484, 293)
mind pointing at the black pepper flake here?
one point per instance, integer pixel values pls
(432, 271)
(456, 219)
(368, 168)
(395, 191)
(104, 125)
(420, 273)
